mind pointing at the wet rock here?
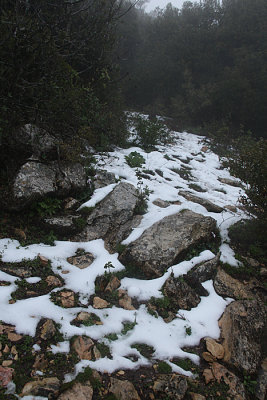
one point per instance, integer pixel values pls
(227, 286)
(99, 303)
(81, 261)
(180, 293)
(42, 387)
(123, 390)
(243, 326)
(161, 203)
(236, 387)
(5, 375)
(113, 218)
(47, 329)
(211, 207)
(79, 391)
(103, 178)
(161, 245)
(174, 386)
(82, 345)
(216, 349)
(230, 182)
(261, 388)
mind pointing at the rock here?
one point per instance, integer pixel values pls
(65, 224)
(99, 303)
(161, 203)
(42, 387)
(20, 233)
(174, 386)
(230, 208)
(5, 375)
(113, 284)
(205, 271)
(243, 330)
(216, 349)
(197, 396)
(181, 294)
(123, 390)
(83, 261)
(36, 180)
(82, 345)
(40, 362)
(7, 363)
(208, 357)
(261, 388)
(47, 329)
(161, 245)
(96, 353)
(230, 182)
(67, 298)
(103, 178)
(53, 281)
(16, 270)
(226, 286)
(208, 375)
(126, 302)
(236, 387)
(113, 218)
(80, 391)
(14, 337)
(211, 207)
(43, 260)
(70, 203)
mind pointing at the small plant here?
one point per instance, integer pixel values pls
(128, 326)
(47, 207)
(108, 267)
(164, 368)
(250, 385)
(151, 133)
(135, 160)
(142, 195)
(112, 336)
(188, 330)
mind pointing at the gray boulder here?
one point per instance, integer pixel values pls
(113, 218)
(103, 178)
(181, 294)
(165, 243)
(211, 207)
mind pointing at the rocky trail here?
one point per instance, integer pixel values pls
(140, 299)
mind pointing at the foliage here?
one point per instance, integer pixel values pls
(248, 162)
(135, 159)
(150, 132)
(142, 195)
(250, 384)
(164, 368)
(47, 207)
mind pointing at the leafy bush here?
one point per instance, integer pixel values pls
(151, 133)
(47, 207)
(248, 162)
(135, 159)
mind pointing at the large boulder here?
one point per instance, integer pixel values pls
(36, 180)
(243, 331)
(114, 217)
(165, 243)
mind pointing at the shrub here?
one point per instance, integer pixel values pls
(151, 133)
(135, 159)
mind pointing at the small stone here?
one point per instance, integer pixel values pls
(96, 353)
(42, 387)
(20, 233)
(13, 350)
(161, 203)
(126, 302)
(123, 390)
(67, 299)
(65, 271)
(7, 363)
(80, 391)
(70, 203)
(113, 284)
(53, 281)
(6, 349)
(215, 348)
(40, 362)
(48, 329)
(83, 261)
(208, 357)
(82, 345)
(99, 303)
(197, 396)
(12, 301)
(121, 372)
(5, 375)
(231, 208)
(204, 149)
(1, 346)
(43, 260)
(16, 357)
(263, 272)
(208, 375)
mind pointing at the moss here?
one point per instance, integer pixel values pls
(164, 368)
(143, 349)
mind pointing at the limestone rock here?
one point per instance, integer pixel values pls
(204, 271)
(261, 388)
(82, 261)
(242, 329)
(103, 178)
(161, 203)
(67, 298)
(14, 337)
(236, 387)
(53, 281)
(211, 207)
(5, 375)
(47, 329)
(82, 345)
(216, 349)
(42, 387)
(208, 375)
(174, 386)
(113, 284)
(79, 391)
(112, 219)
(65, 224)
(125, 302)
(208, 357)
(227, 286)
(7, 363)
(230, 182)
(70, 203)
(197, 396)
(99, 303)
(181, 294)
(123, 390)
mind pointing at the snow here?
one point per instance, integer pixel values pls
(167, 339)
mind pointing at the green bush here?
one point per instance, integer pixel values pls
(135, 159)
(150, 133)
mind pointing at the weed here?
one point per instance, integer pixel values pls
(142, 195)
(128, 326)
(164, 368)
(80, 223)
(250, 385)
(185, 363)
(112, 336)
(47, 207)
(188, 330)
(135, 160)
(91, 320)
(108, 267)
(104, 350)
(143, 349)
(120, 248)
(50, 238)
(159, 172)
(85, 211)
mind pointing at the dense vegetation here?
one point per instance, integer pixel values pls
(204, 65)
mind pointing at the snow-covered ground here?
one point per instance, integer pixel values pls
(168, 339)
